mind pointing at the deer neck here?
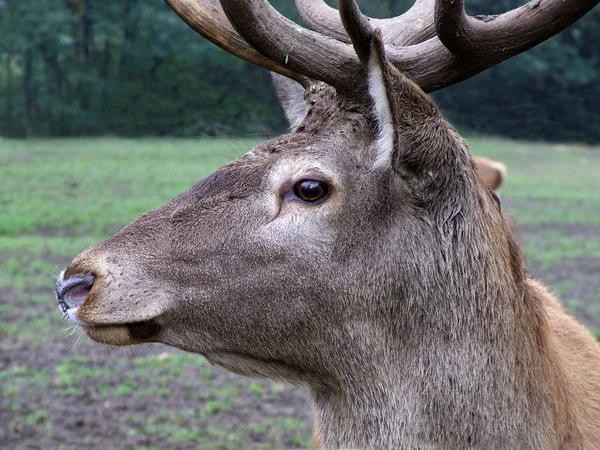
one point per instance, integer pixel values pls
(457, 382)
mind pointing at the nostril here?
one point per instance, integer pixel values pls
(73, 292)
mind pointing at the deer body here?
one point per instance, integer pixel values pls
(361, 256)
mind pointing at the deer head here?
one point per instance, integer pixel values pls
(360, 255)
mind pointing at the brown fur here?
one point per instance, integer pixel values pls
(576, 355)
(572, 352)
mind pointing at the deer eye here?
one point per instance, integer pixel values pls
(311, 190)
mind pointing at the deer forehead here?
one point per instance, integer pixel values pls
(302, 166)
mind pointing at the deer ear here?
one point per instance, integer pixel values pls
(413, 138)
(291, 97)
(380, 88)
(492, 172)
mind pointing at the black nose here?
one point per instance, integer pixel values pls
(72, 293)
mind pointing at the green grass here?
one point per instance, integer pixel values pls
(92, 187)
(548, 183)
(551, 248)
(58, 197)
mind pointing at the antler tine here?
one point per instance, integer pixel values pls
(319, 16)
(301, 50)
(412, 27)
(466, 46)
(451, 23)
(358, 28)
(208, 19)
(497, 38)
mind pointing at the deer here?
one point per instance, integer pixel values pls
(361, 255)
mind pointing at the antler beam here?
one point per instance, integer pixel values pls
(468, 45)
(285, 42)
(319, 16)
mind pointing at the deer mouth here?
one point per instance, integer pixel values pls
(72, 293)
(123, 333)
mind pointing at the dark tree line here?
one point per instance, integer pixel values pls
(133, 68)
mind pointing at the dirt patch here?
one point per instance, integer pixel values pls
(576, 282)
(94, 397)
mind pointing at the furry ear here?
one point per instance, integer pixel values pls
(414, 139)
(291, 97)
(492, 172)
(384, 108)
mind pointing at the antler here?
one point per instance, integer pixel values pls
(303, 51)
(412, 27)
(497, 38)
(435, 43)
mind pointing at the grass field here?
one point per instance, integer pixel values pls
(58, 197)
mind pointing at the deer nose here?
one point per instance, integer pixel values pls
(72, 293)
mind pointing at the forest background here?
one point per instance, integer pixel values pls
(133, 68)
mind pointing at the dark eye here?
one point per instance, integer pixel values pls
(311, 190)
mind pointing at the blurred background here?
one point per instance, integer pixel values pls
(111, 108)
(133, 68)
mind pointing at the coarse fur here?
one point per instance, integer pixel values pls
(401, 301)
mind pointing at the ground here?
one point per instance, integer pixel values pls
(58, 390)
